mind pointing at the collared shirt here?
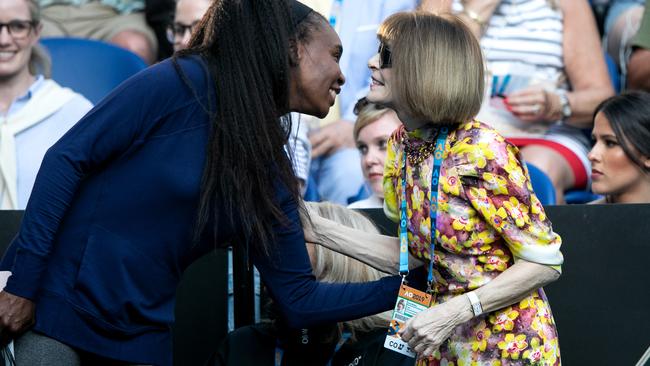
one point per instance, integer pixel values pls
(122, 6)
(32, 143)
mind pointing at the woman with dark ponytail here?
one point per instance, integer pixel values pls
(183, 157)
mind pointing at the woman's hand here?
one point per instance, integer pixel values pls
(426, 331)
(16, 315)
(535, 104)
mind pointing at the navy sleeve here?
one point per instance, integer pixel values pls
(106, 132)
(303, 301)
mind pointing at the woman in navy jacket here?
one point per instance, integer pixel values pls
(183, 157)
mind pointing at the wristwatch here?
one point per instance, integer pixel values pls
(564, 103)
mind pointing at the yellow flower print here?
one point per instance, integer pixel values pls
(498, 261)
(535, 353)
(462, 223)
(451, 185)
(518, 211)
(536, 207)
(512, 346)
(481, 335)
(515, 172)
(449, 243)
(551, 351)
(495, 183)
(482, 239)
(504, 319)
(528, 302)
(425, 227)
(417, 198)
(543, 312)
(498, 220)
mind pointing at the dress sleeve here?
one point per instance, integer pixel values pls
(391, 176)
(497, 185)
(303, 301)
(105, 133)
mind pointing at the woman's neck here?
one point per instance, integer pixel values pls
(411, 123)
(638, 194)
(13, 87)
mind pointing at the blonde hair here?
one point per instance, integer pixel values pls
(437, 66)
(367, 113)
(39, 60)
(330, 266)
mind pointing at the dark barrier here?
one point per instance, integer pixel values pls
(601, 303)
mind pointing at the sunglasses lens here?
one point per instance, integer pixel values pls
(384, 56)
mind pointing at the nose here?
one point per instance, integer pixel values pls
(373, 157)
(594, 154)
(373, 62)
(5, 37)
(341, 78)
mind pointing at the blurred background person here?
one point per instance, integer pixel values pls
(122, 23)
(371, 132)
(187, 16)
(622, 22)
(620, 158)
(335, 163)
(354, 342)
(638, 67)
(34, 112)
(547, 74)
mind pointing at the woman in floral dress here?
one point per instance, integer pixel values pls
(494, 244)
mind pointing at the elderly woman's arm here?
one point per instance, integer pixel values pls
(426, 331)
(476, 13)
(375, 250)
(585, 68)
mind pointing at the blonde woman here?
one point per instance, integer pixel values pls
(468, 210)
(354, 342)
(546, 76)
(371, 132)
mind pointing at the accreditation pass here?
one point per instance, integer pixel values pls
(409, 302)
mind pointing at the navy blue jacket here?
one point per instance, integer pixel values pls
(106, 232)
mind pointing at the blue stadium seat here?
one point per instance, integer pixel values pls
(542, 185)
(92, 68)
(614, 74)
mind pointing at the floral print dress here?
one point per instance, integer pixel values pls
(487, 216)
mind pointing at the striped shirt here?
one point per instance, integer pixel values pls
(523, 39)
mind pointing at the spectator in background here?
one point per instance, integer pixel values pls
(34, 112)
(121, 22)
(335, 163)
(361, 340)
(638, 69)
(621, 25)
(546, 76)
(187, 16)
(621, 156)
(372, 130)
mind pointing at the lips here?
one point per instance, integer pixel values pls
(595, 174)
(7, 55)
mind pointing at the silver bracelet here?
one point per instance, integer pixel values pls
(477, 309)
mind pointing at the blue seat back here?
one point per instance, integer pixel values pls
(91, 68)
(542, 185)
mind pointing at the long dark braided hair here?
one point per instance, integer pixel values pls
(247, 45)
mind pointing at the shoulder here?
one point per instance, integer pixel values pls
(476, 134)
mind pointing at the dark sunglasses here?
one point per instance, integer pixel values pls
(385, 57)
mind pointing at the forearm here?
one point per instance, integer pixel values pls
(584, 102)
(514, 284)
(638, 70)
(378, 251)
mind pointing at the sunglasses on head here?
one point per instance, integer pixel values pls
(385, 56)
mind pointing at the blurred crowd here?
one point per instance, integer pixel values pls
(568, 83)
(550, 64)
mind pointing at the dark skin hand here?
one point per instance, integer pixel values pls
(16, 316)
